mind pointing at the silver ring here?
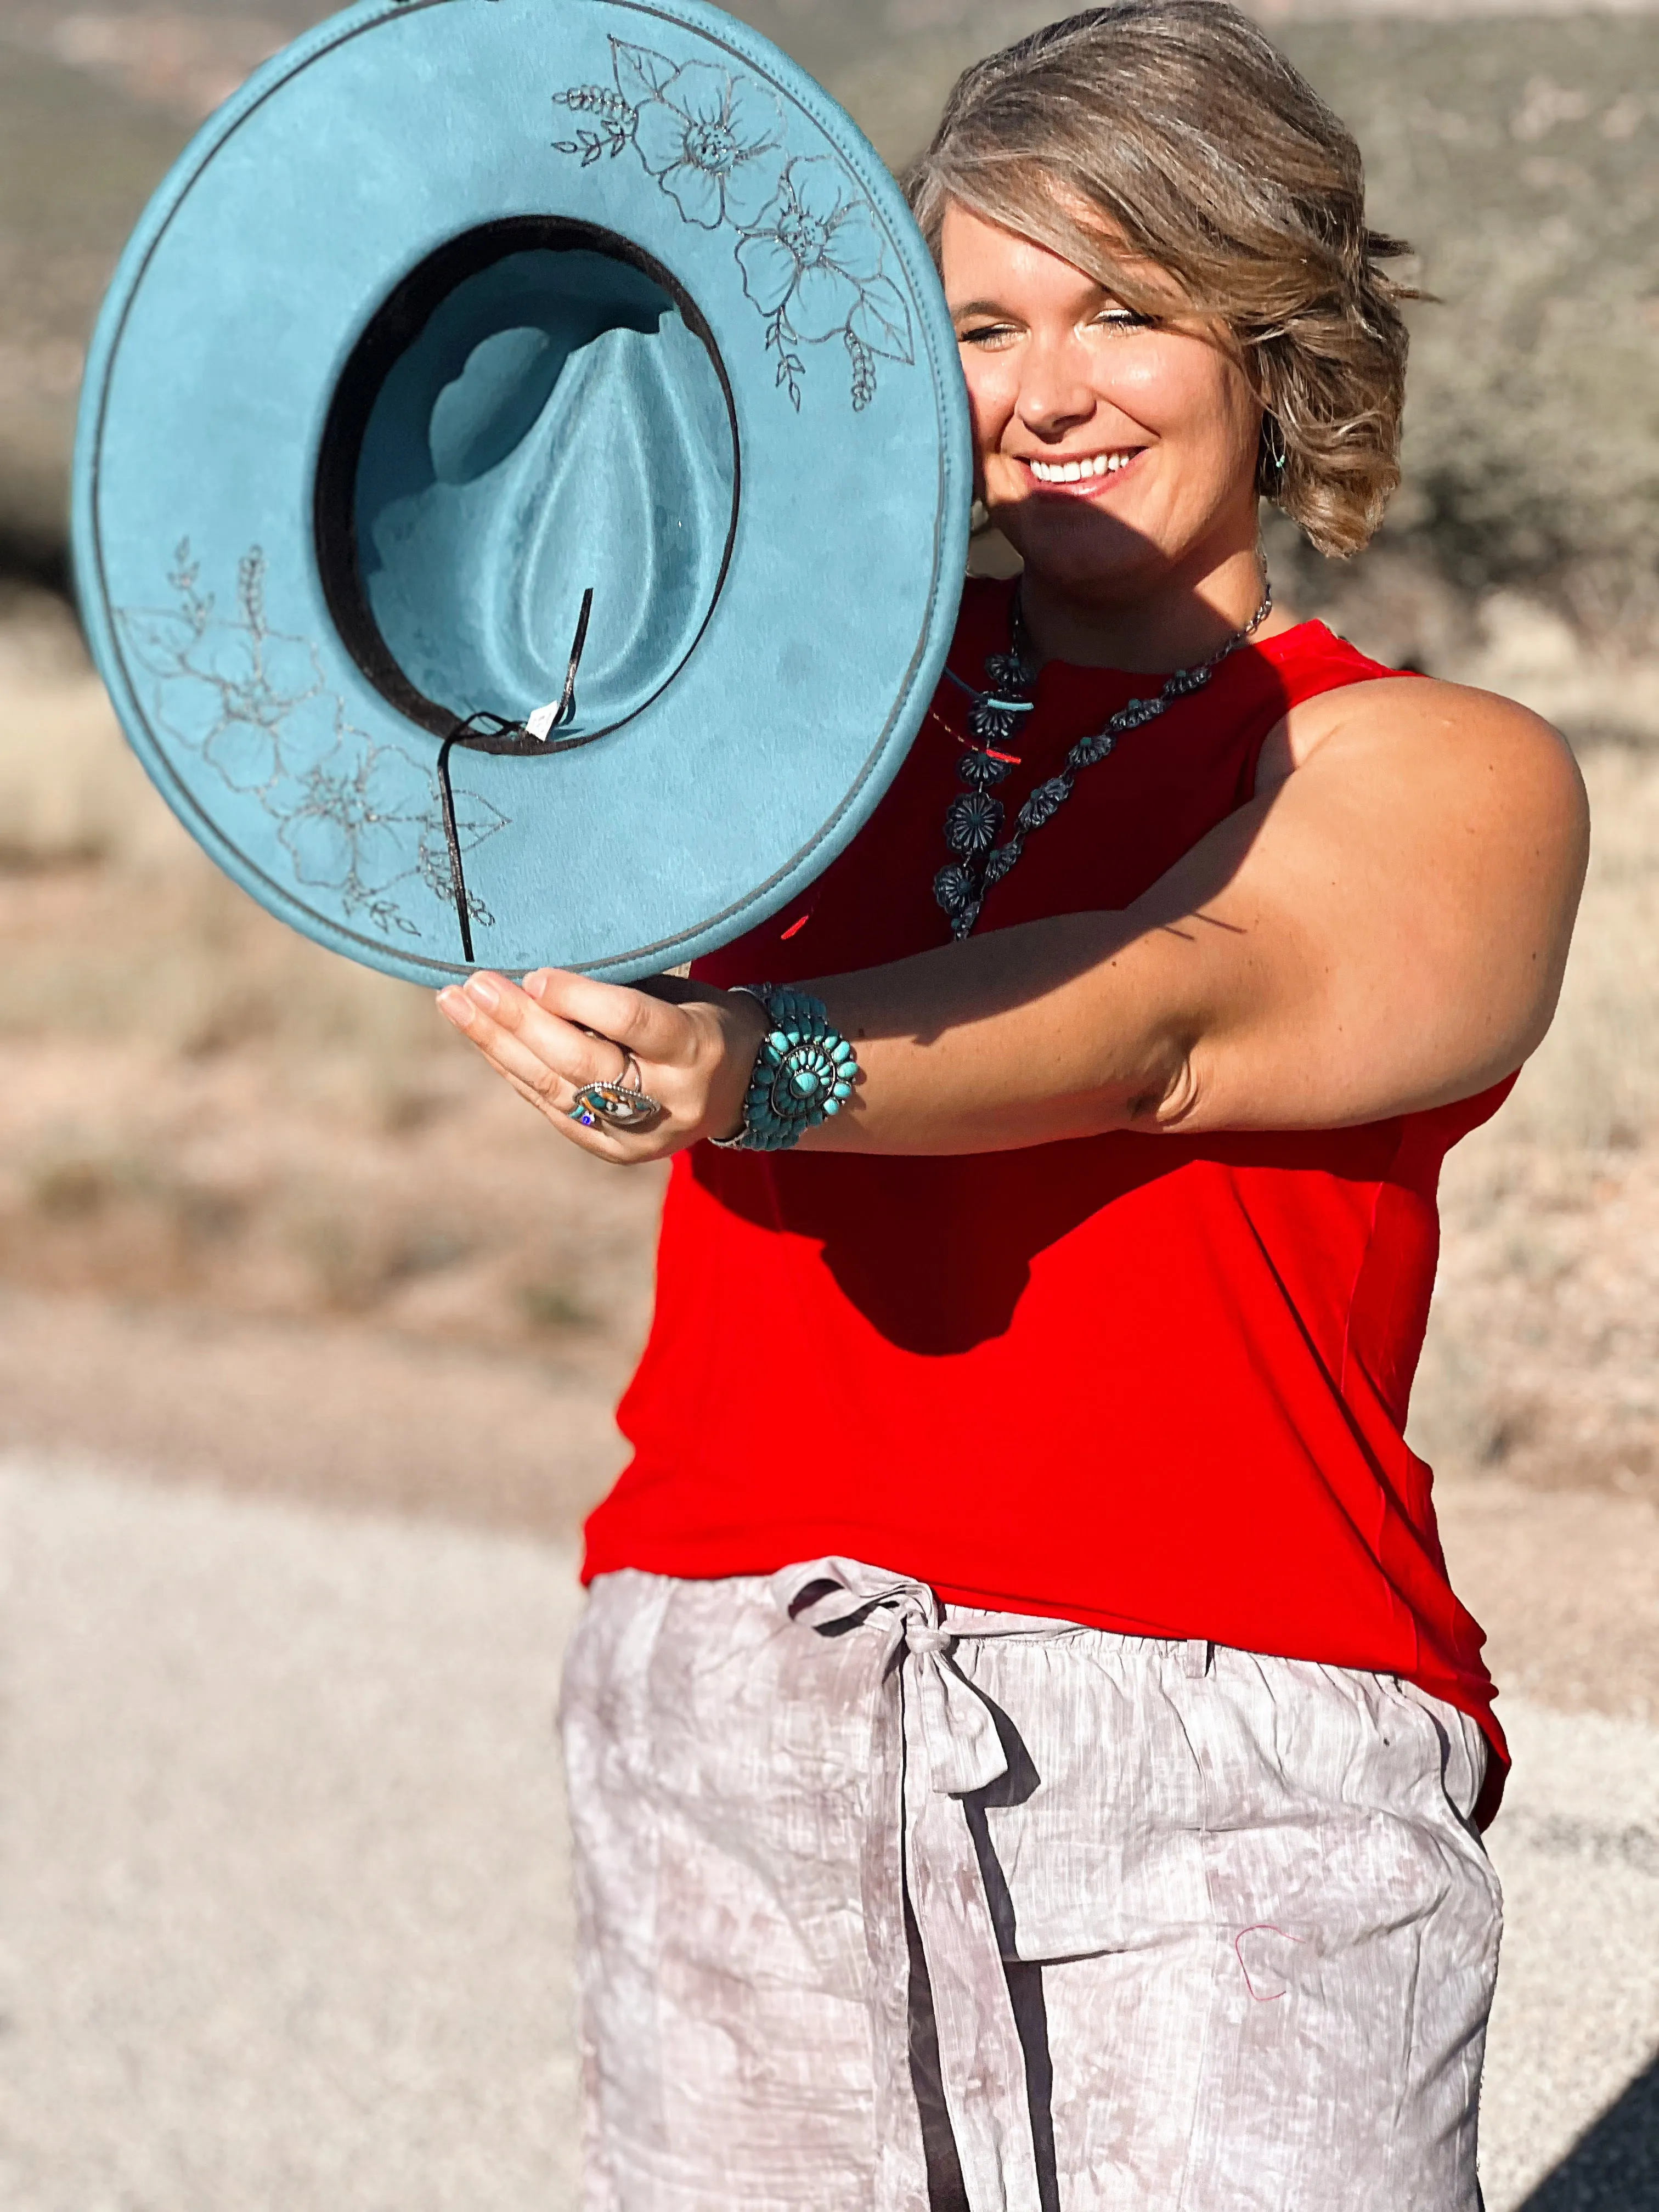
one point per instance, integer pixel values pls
(616, 1105)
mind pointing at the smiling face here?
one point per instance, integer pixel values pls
(1117, 453)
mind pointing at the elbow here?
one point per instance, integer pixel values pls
(1172, 1097)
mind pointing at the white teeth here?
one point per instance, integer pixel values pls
(1098, 465)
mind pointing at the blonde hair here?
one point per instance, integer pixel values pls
(1176, 128)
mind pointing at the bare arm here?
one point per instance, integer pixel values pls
(1384, 928)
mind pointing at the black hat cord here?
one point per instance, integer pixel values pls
(485, 733)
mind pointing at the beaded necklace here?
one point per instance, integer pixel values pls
(974, 817)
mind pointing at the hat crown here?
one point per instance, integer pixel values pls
(554, 426)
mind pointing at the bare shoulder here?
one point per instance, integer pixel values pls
(1420, 848)
(1416, 733)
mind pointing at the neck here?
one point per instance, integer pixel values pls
(1176, 623)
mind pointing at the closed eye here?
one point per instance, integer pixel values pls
(986, 334)
(1122, 318)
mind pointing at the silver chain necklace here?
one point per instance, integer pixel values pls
(973, 818)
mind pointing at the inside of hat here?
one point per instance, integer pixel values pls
(552, 422)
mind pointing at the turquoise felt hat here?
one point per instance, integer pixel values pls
(523, 481)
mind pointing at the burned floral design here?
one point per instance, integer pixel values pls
(714, 143)
(814, 267)
(357, 818)
(809, 248)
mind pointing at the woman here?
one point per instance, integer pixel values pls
(1024, 1751)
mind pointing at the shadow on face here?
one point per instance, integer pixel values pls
(1115, 443)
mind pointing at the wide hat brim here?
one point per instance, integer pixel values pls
(209, 430)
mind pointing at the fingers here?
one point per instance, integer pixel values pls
(550, 1057)
(654, 1028)
(561, 1032)
(593, 1138)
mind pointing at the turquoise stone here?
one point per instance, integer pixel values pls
(804, 1071)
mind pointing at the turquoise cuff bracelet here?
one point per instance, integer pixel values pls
(804, 1071)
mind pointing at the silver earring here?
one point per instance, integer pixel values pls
(1274, 452)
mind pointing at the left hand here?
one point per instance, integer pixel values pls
(690, 1048)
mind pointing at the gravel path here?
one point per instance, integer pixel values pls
(282, 1919)
(282, 1872)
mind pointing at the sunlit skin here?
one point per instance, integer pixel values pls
(1383, 928)
(1154, 564)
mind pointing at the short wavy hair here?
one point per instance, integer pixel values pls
(1175, 126)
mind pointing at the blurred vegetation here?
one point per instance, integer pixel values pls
(1522, 160)
(77, 163)
(1521, 155)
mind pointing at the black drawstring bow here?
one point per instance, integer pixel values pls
(485, 733)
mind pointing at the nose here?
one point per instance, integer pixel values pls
(1055, 394)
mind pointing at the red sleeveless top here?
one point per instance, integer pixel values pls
(1156, 1385)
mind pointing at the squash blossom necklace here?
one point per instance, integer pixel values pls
(974, 816)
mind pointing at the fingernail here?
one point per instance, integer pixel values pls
(537, 983)
(453, 1003)
(481, 988)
